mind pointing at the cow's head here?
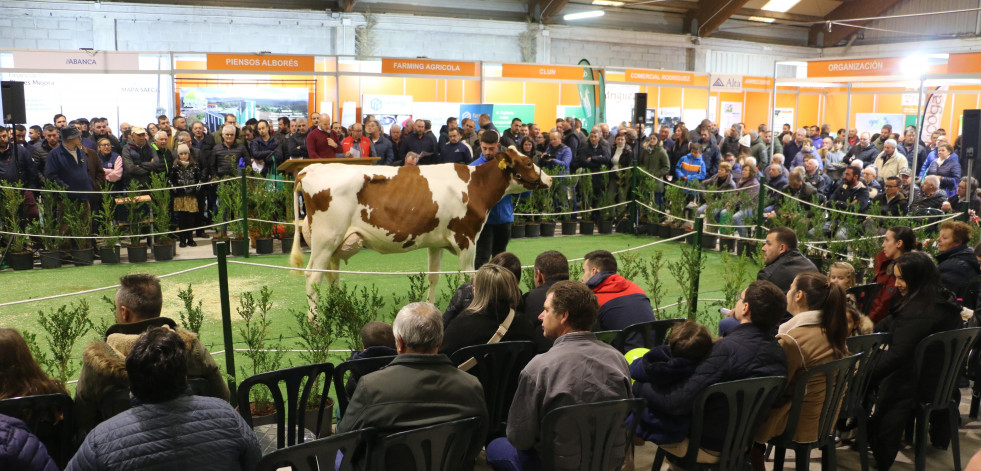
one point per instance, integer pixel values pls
(524, 174)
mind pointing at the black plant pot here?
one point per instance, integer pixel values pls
(287, 244)
(676, 231)
(83, 257)
(163, 252)
(21, 260)
(264, 246)
(746, 247)
(136, 254)
(727, 244)
(214, 246)
(709, 241)
(663, 231)
(625, 226)
(534, 229)
(548, 229)
(50, 259)
(239, 247)
(518, 230)
(569, 227)
(109, 255)
(605, 227)
(586, 227)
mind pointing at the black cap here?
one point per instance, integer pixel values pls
(70, 132)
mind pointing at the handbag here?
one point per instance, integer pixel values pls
(498, 335)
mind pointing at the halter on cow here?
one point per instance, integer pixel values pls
(398, 209)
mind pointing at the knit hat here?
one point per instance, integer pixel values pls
(182, 148)
(70, 132)
(744, 141)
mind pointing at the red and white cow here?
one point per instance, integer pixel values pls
(398, 209)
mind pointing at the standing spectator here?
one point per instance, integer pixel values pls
(163, 413)
(420, 142)
(654, 159)
(19, 169)
(709, 153)
(890, 161)
(570, 137)
(796, 145)
(322, 141)
(863, 151)
(955, 260)
(73, 167)
(444, 132)
(469, 136)
(511, 135)
(139, 159)
(185, 171)
(265, 149)
(578, 369)
(357, 145)
(898, 241)
(879, 140)
(52, 139)
(35, 135)
(485, 123)
(691, 168)
(383, 147)
(529, 149)
(100, 130)
(161, 147)
(229, 155)
(681, 145)
(557, 155)
(932, 155)
(455, 151)
(730, 143)
(296, 144)
(112, 165)
(947, 166)
(622, 303)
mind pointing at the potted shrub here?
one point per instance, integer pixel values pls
(606, 198)
(264, 207)
(51, 254)
(136, 218)
(675, 198)
(587, 223)
(108, 230)
(254, 310)
(18, 256)
(286, 202)
(225, 195)
(161, 201)
(79, 225)
(529, 205)
(545, 205)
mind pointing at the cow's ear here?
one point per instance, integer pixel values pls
(513, 154)
(505, 157)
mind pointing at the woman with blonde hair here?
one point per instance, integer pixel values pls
(495, 296)
(843, 275)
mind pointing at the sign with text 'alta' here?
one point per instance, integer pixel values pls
(726, 83)
(429, 67)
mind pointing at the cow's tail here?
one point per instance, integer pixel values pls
(296, 254)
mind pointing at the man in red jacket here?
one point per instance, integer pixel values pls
(622, 302)
(357, 145)
(322, 143)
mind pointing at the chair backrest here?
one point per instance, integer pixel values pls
(321, 454)
(607, 336)
(953, 347)
(352, 370)
(865, 295)
(497, 369)
(290, 413)
(871, 347)
(837, 375)
(651, 333)
(440, 447)
(602, 428)
(51, 418)
(747, 402)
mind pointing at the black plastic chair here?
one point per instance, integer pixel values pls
(351, 370)
(497, 369)
(954, 346)
(50, 417)
(865, 295)
(855, 405)
(836, 376)
(652, 333)
(447, 446)
(607, 336)
(747, 400)
(321, 454)
(602, 428)
(291, 412)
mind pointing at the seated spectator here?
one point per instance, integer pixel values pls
(863, 151)
(665, 367)
(870, 180)
(20, 449)
(622, 303)
(955, 260)
(138, 303)
(924, 308)
(748, 350)
(948, 167)
(167, 424)
(851, 194)
(578, 369)
(419, 387)
(691, 168)
(954, 202)
(495, 308)
(814, 336)
(378, 340)
(464, 294)
(898, 241)
(783, 262)
(817, 178)
(843, 274)
(891, 201)
(550, 267)
(930, 196)
(807, 150)
(22, 376)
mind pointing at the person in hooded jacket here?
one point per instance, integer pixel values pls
(20, 449)
(185, 171)
(266, 149)
(622, 302)
(955, 259)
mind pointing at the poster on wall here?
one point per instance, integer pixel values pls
(669, 117)
(731, 112)
(873, 122)
(474, 111)
(502, 115)
(210, 104)
(435, 112)
(570, 111)
(783, 116)
(692, 117)
(620, 102)
(650, 118)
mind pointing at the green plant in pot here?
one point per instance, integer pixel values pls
(606, 198)
(587, 223)
(255, 332)
(675, 198)
(19, 256)
(162, 203)
(77, 216)
(544, 207)
(264, 204)
(109, 230)
(137, 215)
(286, 205)
(50, 227)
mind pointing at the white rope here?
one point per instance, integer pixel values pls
(350, 272)
(103, 288)
(666, 214)
(841, 211)
(697, 190)
(115, 192)
(584, 174)
(269, 222)
(280, 350)
(120, 236)
(250, 177)
(574, 212)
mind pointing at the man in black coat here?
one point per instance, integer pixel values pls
(782, 259)
(550, 267)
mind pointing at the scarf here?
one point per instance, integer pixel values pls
(800, 320)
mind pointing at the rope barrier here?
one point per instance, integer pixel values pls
(95, 290)
(574, 212)
(121, 236)
(269, 222)
(250, 177)
(115, 192)
(583, 174)
(689, 188)
(841, 211)
(666, 214)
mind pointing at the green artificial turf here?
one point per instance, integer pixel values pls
(288, 292)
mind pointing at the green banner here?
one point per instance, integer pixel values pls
(587, 96)
(502, 115)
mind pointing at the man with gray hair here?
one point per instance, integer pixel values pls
(890, 162)
(419, 387)
(929, 195)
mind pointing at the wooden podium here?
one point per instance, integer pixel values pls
(293, 166)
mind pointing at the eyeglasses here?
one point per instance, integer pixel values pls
(892, 186)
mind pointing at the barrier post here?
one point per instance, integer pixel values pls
(760, 205)
(226, 320)
(245, 211)
(632, 195)
(699, 228)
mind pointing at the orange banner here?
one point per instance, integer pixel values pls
(854, 67)
(560, 72)
(428, 67)
(765, 83)
(260, 62)
(967, 63)
(659, 76)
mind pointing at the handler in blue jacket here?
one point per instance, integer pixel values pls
(497, 230)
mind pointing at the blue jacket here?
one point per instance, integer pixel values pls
(458, 153)
(662, 371)
(189, 432)
(926, 163)
(412, 142)
(63, 169)
(20, 449)
(385, 150)
(746, 351)
(949, 172)
(503, 211)
(799, 160)
(690, 167)
(711, 156)
(269, 151)
(560, 158)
